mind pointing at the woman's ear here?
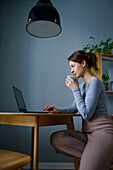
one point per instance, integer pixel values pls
(84, 63)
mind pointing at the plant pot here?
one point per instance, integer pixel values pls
(111, 85)
(106, 85)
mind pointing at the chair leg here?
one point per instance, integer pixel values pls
(32, 147)
(76, 163)
(111, 167)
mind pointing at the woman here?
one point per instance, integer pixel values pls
(94, 145)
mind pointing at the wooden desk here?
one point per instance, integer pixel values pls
(35, 120)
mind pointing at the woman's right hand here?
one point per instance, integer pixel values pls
(51, 109)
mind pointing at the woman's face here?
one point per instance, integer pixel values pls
(77, 68)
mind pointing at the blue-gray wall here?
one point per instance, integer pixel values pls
(39, 66)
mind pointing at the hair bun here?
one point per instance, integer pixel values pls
(92, 59)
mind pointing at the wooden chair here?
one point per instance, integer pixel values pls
(10, 160)
(76, 163)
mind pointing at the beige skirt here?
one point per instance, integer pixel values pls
(94, 145)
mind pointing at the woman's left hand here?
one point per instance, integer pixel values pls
(71, 83)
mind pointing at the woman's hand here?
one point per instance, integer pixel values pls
(71, 83)
(51, 109)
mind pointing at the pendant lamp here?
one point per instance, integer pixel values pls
(44, 20)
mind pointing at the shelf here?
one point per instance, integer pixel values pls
(104, 59)
(109, 92)
(107, 57)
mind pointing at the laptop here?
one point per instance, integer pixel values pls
(21, 102)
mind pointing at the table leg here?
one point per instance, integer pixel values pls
(70, 125)
(36, 143)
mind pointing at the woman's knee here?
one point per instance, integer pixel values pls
(56, 138)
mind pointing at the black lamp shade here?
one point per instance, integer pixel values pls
(44, 20)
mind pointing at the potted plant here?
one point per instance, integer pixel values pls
(107, 46)
(92, 47)
(104, 47)
(105, 78)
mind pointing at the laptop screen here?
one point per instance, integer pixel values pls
(19, 99)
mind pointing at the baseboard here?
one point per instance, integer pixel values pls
(51, 165)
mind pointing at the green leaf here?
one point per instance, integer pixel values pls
(101, 43)
(109, 39)
(88, 46)
(84, 49)
(98, 50)
(109, 51)
(96, 46)
(92, 38)
(106, 72)
(91, 50)
(105, 77)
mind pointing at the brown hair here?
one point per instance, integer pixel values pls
(90, 58)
